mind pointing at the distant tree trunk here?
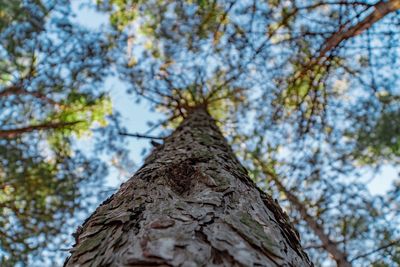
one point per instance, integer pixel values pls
(327, 243)
(191, 204)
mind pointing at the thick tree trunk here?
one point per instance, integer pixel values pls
(191, 204)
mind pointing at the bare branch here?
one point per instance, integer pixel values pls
(141, 136)
(392, 243)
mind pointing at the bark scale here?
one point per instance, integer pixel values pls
(191, 204)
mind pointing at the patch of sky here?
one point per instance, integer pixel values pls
(135, 116)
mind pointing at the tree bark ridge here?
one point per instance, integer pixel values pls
(191, 204)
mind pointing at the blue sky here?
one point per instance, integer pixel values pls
(134, 115)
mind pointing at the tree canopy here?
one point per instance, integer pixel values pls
(306, 92)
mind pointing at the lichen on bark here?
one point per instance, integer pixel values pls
(191, 204)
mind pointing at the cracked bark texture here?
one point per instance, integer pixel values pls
(191, 204)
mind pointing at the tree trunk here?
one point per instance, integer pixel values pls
(191, 204)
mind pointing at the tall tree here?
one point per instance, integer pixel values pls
(304, 68)
(192, 204)
(316, 78)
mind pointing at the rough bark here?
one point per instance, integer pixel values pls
(191, 204)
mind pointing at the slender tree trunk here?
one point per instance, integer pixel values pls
(191, 204)
(329, 245)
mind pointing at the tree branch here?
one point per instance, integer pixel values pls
(11, 133)
(18, 90)
(141, 136)
(394, 242)
(381, 9)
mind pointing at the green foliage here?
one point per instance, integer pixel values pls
(84, 110)
(38, 197)
(306, 86)
(381, 140)
(150, 17)
(305, 82)
(14, 12)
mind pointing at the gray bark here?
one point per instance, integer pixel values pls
(191, 204)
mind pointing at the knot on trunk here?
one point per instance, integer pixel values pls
(183, 176)
(180, 176)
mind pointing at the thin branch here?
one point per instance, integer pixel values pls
(381, 9)
(394, 242)
(141, 136)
